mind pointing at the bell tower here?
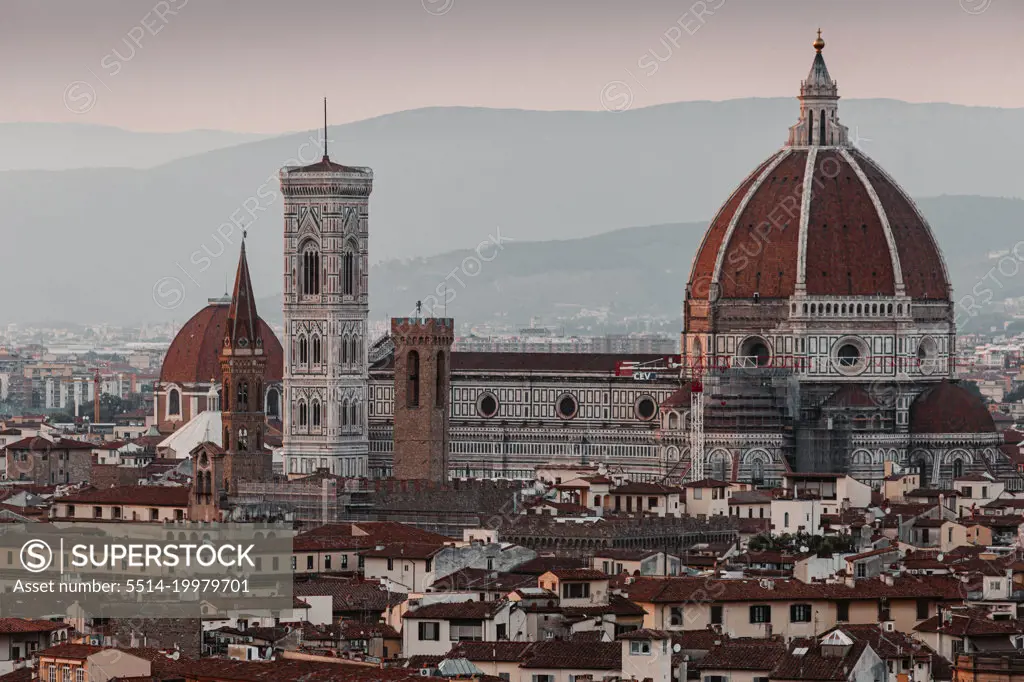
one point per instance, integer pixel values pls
(216, 471)
(423, 351)
(326, 306)
(243, 366)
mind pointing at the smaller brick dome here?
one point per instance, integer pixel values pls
(194, 355)
(948, 407)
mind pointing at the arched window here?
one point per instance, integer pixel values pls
(243, 439)
(439, 380)
(303, 350)
(785, 520)
(310, 271)
(316, 349)
(810, 126)
(352, 350)
(412, 389)
(242, 404)
(958, 468)
(303, 413)
(343, 414)
(316, 412)
(348, 273)
(353, 418)
(821, 129)
(344, 350)
(273, 403)
(174, 402)
(757, 472)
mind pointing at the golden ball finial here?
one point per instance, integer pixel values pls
(819, 44)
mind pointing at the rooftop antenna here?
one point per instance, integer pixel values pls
(326, 158)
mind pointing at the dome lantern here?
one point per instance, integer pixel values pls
(819, 124)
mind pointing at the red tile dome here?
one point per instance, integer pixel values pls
(194, 355)
(818, 218)
(824, 220)
(947, 407)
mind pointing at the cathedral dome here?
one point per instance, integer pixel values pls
(949, 408)
(194, 355)
(818, 218)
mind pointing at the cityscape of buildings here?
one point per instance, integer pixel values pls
(820, 480)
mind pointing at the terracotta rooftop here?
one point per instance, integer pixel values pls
(805, 660)
(575, 656)
(502, 652)
(579, 574)
(20, 625)
(675, 590)
(143, 495)
(40, 444)
(404, 550)
(349, 595)
(969, 622)
(744, 654)
(473, 610)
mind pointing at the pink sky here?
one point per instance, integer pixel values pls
(261, 66)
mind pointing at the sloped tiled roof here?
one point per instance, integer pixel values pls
(745, 654)
(145, 495)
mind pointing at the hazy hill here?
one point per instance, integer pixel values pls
(643, 270)
(59, 146)
(92, 244)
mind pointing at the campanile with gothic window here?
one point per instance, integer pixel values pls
(243, 367)
(325, 316)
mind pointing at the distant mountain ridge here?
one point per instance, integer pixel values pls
(446, 179)
(63, 146)
(642, 271)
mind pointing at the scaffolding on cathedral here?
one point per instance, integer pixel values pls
(317, 499)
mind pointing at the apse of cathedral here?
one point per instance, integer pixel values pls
(818, 337)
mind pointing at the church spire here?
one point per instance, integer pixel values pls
(243, 329)
(819, 107)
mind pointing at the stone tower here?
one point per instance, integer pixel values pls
(216, 471)
(423, 349)
(325, 311)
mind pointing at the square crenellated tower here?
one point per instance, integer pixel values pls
(423, 349)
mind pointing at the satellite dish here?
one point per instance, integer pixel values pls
(676, 648)
(939, 556)
(888, 510)
(803, 548)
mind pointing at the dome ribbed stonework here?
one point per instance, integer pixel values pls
(820, 221)
(818, 218)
